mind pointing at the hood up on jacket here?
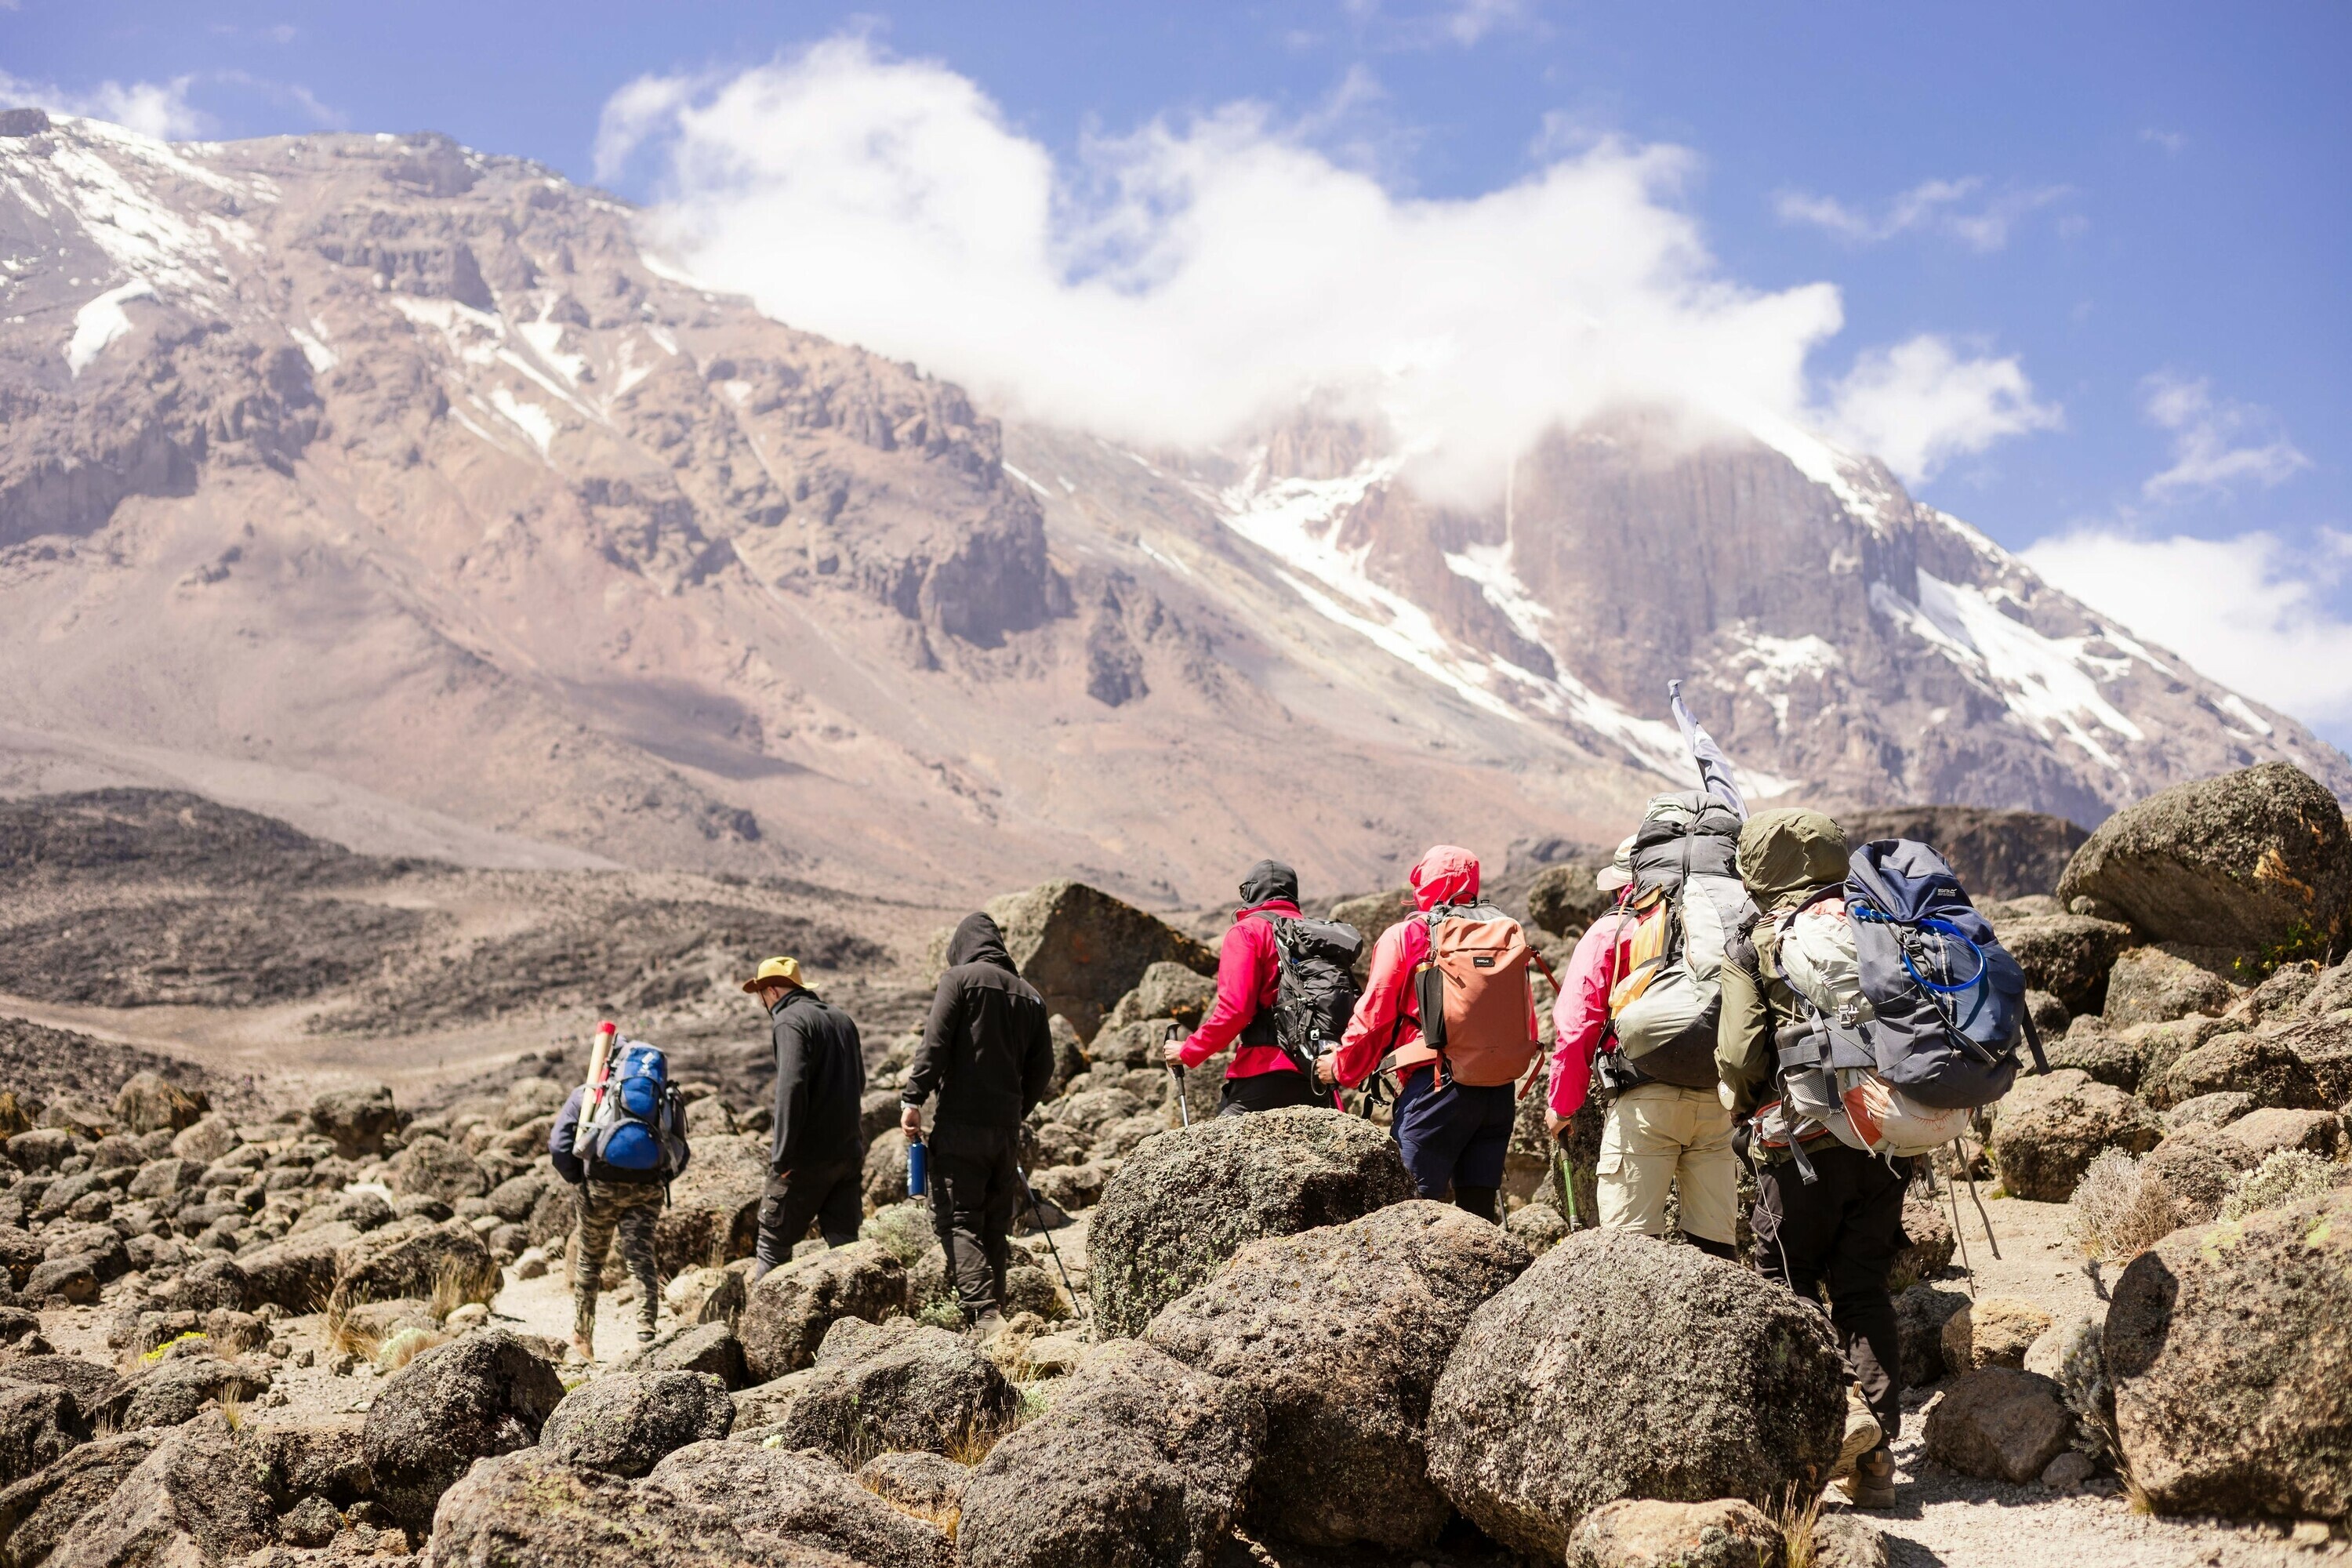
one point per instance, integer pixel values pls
(1445, 875)
(1786, 854)
(977, 940)
(1267, 880)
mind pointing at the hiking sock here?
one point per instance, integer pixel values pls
(1479, 1201)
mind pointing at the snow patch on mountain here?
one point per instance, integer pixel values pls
(101, 322)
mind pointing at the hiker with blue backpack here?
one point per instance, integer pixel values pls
(1867, 1011)
(816, 1156)
(619, 1141)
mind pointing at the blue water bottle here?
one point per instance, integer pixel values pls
(917, 1173)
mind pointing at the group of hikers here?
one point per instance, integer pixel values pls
(1759, 993)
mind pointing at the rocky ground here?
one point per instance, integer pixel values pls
(287, 1316)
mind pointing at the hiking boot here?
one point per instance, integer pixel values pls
(645, 1336)
(1862, 1435)
(1871, 1484)
(582, 1351)
(984, 1327)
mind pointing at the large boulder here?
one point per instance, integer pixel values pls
(2255, 1137)
(2256, 1065)
(1341, 1333)
(2229, 1351)
(1640, 1533)
(297, 1274)
(1167, 991)
(193, 1501)
(1562, 899)
(1184, 1202)
(625, 1424)
(177, 1389)
(779, 1502)
(1621, 1366)
(436, 1168)
(150, 1102)
(2049, 1130)
(898, 1385)
(1995, 853)
(2067, 955)
(713, 1214)
(1083, 950)
(2001, 1424)
(409, 1258)
(2194, 1171)
(36, 1513)
(39, 1422)
(786, 1314)
(355, 1119)
(2254, 860)
(1921, 1313)
(2099, 1052)
(2325, 1047)
(2158, 985)
(488, 1393)
(1140, 1462)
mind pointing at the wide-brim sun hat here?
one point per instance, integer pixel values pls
(1620, 870)
(784, 970)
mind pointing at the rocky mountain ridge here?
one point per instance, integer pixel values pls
(394, 489)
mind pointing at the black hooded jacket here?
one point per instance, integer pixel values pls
(820, 1080)
(1269, 879)
(985, 1050)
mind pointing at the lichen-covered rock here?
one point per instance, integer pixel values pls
(2048, 1131)
(150, 1102)
(1537, 1227)
(2325, 1047)
(786, 1314)
(1083, 950)
(1621, 1366)
(1340, 1333)
(2158, 984)
(2257, 1065)
(897, 1385)
(2099, 1052)
(39, 1422)
(1186, 1201)
(408, 1258)
(2260, 1134)
(2161, 1045)
(1929, 1244)
(1920, 1315)
(191, 1501)
(928, 1485)
(1140, 1462)
(485, 1394)
(2255, 859)
(2230, 1350)
(178, 1389)
(1167, 991)
(37, 1512)
(436, 1168)
(1998, 1423)
(710, 1348)
(355, 1119)
(297, 1274)
(2210, 1112)
(1993, 1330)
(2195, 1171)
(2067, 955)
(712, 1217)
(1847, 1540)
(776, 1499)
(625, 1424)
(1640, 1533)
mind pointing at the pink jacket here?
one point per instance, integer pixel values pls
(1383, 1019)
(1581, 1013)
(1248, 971)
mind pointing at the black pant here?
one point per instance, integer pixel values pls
(1840, 1231)
(1268, 1091)
(832, 1195)
(975, 1182)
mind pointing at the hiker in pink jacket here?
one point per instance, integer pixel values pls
(1249, 970)
(1580, 1016)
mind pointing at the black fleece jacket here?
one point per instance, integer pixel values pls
(985, 1049)
(820, 1079)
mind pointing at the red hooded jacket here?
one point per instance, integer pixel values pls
(1248, 971)
(1383, 1019)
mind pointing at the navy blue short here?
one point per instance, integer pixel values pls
(1455, 1135)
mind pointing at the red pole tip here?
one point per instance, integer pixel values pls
(608, 1027)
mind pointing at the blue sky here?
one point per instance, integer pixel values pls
(2123, 230)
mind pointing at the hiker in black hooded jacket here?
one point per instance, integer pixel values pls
(988, 1055)
(816, 1159)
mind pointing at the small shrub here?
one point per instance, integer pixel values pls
(456, 1282)
(2284, 1176)
(2119, 1212)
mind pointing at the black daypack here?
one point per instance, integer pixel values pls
(1316, 993)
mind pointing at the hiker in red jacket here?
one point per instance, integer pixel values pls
(1262, 1077)
(1453, 1135)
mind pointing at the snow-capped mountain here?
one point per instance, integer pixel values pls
(396, 488)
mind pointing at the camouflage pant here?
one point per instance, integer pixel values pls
(606, 1207)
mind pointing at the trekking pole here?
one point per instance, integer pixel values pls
(1990, 1239)
(1176, 1071)
(1566, 1181)
(1953, 1191)
(1037, 1213)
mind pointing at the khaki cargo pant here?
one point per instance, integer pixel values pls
(1659, 1136)
(630, 1210)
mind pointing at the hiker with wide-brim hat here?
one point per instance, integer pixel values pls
(815, 1158)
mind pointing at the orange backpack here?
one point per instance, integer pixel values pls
(1471, 995)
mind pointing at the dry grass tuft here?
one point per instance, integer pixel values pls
(344, 1337)
(1800, 1511)
(2120, 1211)
(232, 1408)
(455, 1282)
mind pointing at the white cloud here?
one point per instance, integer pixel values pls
(1187, 280)
(1957, 208)
(1920, 405)
(2170, 141)
(2249, 611)
(2214, 442)
(157, 108)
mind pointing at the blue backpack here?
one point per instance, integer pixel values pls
(639, 1128)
